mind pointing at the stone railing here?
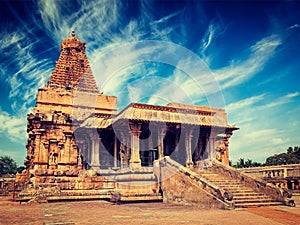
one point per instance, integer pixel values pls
(256, 184)
(274, 172)
(224, 196)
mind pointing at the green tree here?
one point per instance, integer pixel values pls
(291, 156)
(242, 163)
(297, 152)
(290, 150)
(282, 159)
(7, 165)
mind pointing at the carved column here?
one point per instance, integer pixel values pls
(37, 146)
(188, 147)
(226, 150)
(176, 140)
(115, 152)
(124, 150)
(198, 148)
(212, 150)
(67, 157)
(161, 134)
(135, 131)
(293, 184)
(150, 142)
(206, 146)
(95, 162)
(40, 153)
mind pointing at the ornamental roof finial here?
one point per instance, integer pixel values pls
(73, 33)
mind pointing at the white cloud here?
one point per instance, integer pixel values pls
(212, 32)
(248, 102)
(122, 74)
(282, 100)
(9, 39)
(292, 95)
(262, 131)
(13, 127)
(294, 26)
(27, 75)
(240, 71)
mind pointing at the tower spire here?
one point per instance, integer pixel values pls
(72, 70)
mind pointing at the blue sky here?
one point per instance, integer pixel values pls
(243, 56)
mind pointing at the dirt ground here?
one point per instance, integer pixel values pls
(102, 212)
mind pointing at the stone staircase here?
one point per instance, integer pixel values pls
(243, 196)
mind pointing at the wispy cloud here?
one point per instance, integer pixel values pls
(214, 30)
(136, 73)
(12, 127)
(103, 18)
(24, 73)
(240, 71)
(283, 100)
(294, 26)
(259, 136)
(245, 103)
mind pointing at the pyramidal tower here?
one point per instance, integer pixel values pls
(70, 97)
(72, 70)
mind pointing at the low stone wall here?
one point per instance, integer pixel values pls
(182, 186)
(62, 185)
(7, 185)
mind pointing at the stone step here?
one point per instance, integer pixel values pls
(249, 197)
(212, 176)
(78, 197)
(255, 204)
(250, 200)
(237, 186)
(86, 192)
(225, 181)
(154, 197)
(239, 190)
(242, 194)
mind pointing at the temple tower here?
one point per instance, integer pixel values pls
(67, 99)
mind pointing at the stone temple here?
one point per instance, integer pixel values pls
(80, 147)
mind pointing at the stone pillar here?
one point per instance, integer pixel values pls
(115, 152)
(198, 149)
(160, 147)
(176, 140)
(212, 149)
(67, 157)
(206, 147)
(124, 150)
(95, 162)
(135, 131)
(226, 150)
(150, 142)
(40, 152)
(188, 147)
(293, 184)
(37, 149)
(285, 174)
